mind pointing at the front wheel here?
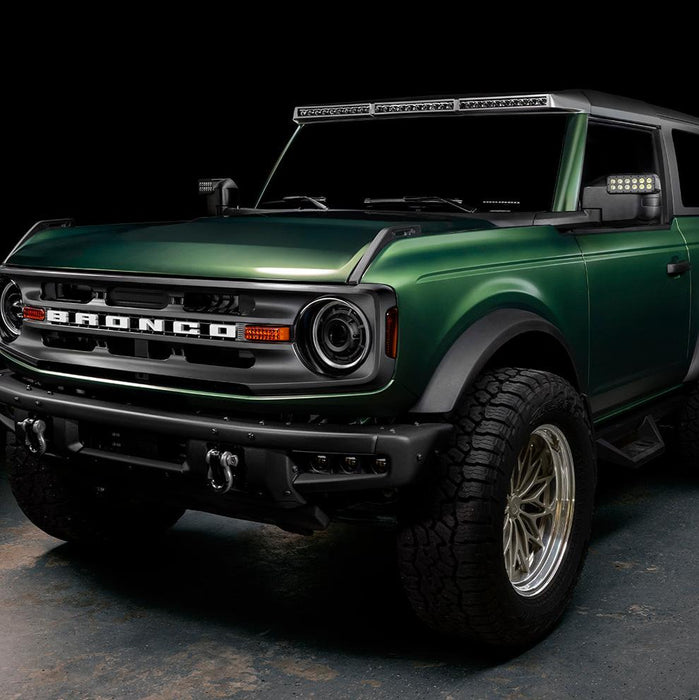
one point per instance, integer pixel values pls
(495, 544)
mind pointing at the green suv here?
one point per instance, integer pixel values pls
(437, 316)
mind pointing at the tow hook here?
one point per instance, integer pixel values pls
(31, 432)
(221, 470)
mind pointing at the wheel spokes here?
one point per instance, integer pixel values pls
(538, 510)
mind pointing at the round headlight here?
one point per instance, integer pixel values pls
(11, 309)
(335, 335)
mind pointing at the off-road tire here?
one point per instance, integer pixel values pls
(60, 500)
(450, 548)
(688, 429)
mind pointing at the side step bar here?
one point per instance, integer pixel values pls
(632, 448)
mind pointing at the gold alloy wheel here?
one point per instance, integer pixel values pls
(539, 511)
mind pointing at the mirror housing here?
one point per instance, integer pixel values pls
(221, 193)
(622, 198)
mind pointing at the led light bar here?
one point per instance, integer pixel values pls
(418, 106)
(498, 103)
(208, 185)
(644, 183)
(505, 103)
(323, 112)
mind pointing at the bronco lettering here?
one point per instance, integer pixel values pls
(142, 324)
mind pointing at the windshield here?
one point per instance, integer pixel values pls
(451, 164)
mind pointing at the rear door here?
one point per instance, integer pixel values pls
(638, 311)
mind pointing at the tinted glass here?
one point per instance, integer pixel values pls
(613, 150)
(687, 152)
(511, 158)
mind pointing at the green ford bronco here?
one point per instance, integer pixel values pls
(437, 316)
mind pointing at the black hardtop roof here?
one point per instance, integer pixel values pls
(604, 101)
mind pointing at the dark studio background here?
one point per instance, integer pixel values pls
(108, 133)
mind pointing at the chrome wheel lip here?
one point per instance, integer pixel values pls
(539, 511)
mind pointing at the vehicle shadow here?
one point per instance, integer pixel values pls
(338, 589)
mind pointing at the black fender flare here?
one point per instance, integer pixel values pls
(472, 350)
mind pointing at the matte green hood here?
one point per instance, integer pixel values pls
(308, 248)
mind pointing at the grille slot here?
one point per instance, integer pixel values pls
(63, 291)
(68, 341)
(176, 382)
(146, 349)
(218, 303)
(151, 349)
(220, 357)
(138, 297)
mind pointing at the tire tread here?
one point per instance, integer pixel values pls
(441, 550)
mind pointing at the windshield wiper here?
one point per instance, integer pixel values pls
(433, 199)
(317, 202)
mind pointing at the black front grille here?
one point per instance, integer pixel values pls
(185, 334)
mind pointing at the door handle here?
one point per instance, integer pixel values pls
(678, 268)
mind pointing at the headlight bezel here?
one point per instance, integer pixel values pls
(10, 326)
(312, 333)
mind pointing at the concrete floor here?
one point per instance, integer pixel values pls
(224, 608)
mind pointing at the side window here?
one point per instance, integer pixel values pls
(614, 150)
(687, 152)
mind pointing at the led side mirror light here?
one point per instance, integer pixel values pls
(637, 183)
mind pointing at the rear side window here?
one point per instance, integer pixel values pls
(687, 152)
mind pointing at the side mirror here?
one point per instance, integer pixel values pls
(221, 193)
(625, 197)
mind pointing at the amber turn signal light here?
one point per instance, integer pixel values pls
(274, 334)
(33, 314)
(392, 332)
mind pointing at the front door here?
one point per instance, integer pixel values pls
(639, 311)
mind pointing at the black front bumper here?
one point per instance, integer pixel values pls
(273, 452)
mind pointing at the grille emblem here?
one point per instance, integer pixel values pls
(142, 324)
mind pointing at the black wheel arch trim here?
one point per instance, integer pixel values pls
(472, 350)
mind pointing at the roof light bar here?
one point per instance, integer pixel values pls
(497, 103)
(507, 103)
(418, 106)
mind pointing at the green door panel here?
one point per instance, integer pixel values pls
(638, 314)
